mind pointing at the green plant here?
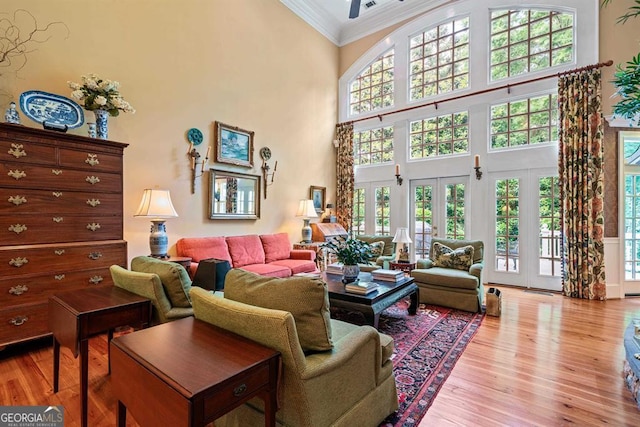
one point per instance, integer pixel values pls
(349, 251)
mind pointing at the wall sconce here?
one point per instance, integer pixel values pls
(195, 161)
(476, 166)
(398, 177)
(156, 205)
(265, 153)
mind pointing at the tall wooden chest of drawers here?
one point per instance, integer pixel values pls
(60, 222)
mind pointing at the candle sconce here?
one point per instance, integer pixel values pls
(267, 177)
(477, 167)
(398, 176)
(195, 137)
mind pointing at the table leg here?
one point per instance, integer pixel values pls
(371, 318)
(415, 301)
(56, 364)
(109, 338)
(270, 409)
(121, 415)
(84, 377)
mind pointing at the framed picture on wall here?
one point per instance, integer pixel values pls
(319, 197)
(233, 145)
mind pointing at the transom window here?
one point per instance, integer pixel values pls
(526, 121)
(439, 59)
(439, 136)
(373, 146)
(372, 89)
(529, 40)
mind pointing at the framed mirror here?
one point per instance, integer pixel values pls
(233, 195)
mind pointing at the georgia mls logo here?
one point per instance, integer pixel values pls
(31, 416)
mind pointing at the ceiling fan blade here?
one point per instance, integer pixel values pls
(355, 9)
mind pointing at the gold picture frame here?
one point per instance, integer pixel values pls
(319, 197)
(233, 145)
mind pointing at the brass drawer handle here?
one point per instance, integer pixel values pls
(18, 262)
(18, 228)
(93, 202)
(17, 174)
(92, 159)
(92, 179)
(59, 251)
(58, 219)
(17, 151)
(95, 280)
(59, 276)
(95, 255)
(56, 194)
(239, 390)
(18, 289)
(18, 320)
(17, 200)
(56, 172)
(93, 226)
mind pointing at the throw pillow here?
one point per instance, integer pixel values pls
(306, 299)
(276, 246)
(377, 249)
(174, 278)
(460, 258)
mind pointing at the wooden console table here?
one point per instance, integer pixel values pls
(189, 373)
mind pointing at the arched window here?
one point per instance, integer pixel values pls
(372, 89)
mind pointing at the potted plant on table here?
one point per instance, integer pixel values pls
(349, 252)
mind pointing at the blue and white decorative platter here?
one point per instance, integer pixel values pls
(51, 108)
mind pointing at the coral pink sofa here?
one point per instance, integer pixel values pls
(267, 254)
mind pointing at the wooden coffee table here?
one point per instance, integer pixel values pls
(372, 304)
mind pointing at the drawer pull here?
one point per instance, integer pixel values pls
(95, 255)
(93, 202)
(18, 262)
(58, 219)
(92, 179)
(18, 290)
(18, 320)
(18, 228)
(59, 251)
(92, 159)
(59, 276)
(95, 280)
(17, 151)
(56, 172)
(17, 174)
(56, 194)
(93, 226)
(239, 390)
(17, 200)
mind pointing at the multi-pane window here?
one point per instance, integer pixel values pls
(439, 59)
(439, 136)
(523, 41)
(373, 146)
(455, 211)
(526, 121)
(550, 227)
(382, 211)
(423, 208)
(507, 224)
(372, 89)
(358, 216)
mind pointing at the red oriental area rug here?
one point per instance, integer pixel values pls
(427, 346)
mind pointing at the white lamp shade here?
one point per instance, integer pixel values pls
(402, 235)
(306, 209)
(156, 204)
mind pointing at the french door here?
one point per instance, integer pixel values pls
(630, 200)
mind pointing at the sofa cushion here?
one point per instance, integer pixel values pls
(389, 246)
(275, 246)
(199, 248)
(445, 277)
(270, 270)
(174, 278)
(245, 250)
(377, 249)
(460, 258)
(306, 299)
(296, 265)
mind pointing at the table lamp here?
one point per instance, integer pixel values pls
(306, 210)
(156, 205)
(402, 240)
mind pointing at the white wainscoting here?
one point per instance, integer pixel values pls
(613, 267)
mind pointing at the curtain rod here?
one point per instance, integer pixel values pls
(480, 92)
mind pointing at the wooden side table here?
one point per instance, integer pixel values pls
(76, 316)
(189, 372)
(184, 261)
(404, 266)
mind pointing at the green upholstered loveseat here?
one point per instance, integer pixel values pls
(350, 384)
(451, 287)
(388, 252)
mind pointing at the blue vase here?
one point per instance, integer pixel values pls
(102, 123)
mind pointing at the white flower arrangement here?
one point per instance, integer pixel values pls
(100, 94)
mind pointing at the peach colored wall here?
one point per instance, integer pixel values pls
(187, 63)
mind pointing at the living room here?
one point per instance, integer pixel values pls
(257, 66)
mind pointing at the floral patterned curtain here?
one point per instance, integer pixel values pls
(580, 162)
(344, 175)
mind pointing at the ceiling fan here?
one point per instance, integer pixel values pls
(354, 12)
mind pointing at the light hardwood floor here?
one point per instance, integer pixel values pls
(547, 361)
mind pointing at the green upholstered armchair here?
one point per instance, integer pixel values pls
(149, 285)
(350, 385)
(388, 251)
(460, 288)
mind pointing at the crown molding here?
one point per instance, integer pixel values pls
(317, 17)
